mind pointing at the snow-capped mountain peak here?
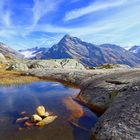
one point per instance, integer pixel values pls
(33, 52)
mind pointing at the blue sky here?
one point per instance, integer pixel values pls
(30, 23)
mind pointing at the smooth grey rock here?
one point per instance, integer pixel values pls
(122, 120)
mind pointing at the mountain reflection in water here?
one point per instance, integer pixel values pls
(73, 123)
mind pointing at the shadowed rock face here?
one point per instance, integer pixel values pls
(117, 91)
(90, 54)
(9, 52)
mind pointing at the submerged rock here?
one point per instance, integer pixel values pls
(22, 113)
(46, 121)
(28, 124)
(36, 118)
(40, 119)
(22, 119)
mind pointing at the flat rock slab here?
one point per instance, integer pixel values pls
(117, 91)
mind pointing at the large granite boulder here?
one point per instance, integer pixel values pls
(18, 67)
(43, 64)
(55, 63)
(46, 64)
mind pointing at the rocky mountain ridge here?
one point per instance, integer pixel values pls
(90, 54)
(87, 54)
(9, 52)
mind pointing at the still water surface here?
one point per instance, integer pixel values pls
(56, 98)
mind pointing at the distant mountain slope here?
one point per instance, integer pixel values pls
(90, 54)
(135, 50)
(33, 53)
(9, 52)
(118, 55)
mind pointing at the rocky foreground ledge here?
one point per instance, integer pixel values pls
(114, 93)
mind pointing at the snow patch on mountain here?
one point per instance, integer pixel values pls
(28, 54)
(135, 49)
(33, 52)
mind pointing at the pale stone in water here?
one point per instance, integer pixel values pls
(46, 114)
(41, 111)
(22, 119)
(36, 118)
(46, 121)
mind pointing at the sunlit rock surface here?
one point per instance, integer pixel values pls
(49, 64)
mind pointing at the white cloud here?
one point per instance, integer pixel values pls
(5, 14)
(112, 29)
(96, 6)
(43, 7)
(7, 18)
(117, 27)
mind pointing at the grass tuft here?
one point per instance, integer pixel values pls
(14, 77)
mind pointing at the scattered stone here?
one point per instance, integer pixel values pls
(47, 120)
(46, 114)
(41, 111)
(28, 124)
(40, 119)
(22, 119)
(22, 113)
(36, 118)
(20, 129)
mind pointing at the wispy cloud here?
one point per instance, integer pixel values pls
(43, 7)
(95, 6)
(5, 13)
(46, 24)
(7, 18)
